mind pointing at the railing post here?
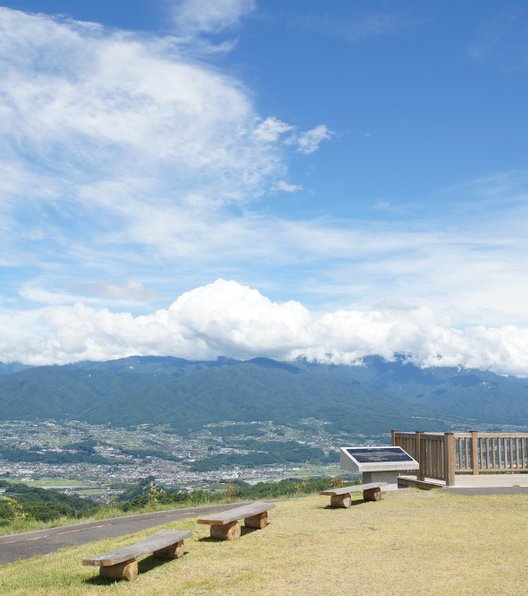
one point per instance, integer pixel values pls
(449, 458)
(420, 455)
(474, 452)
(393, 437)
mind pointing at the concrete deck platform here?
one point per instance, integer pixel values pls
(426, 484)
(467, 484)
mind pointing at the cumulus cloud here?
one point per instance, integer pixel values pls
(230, 319)
(210, 16)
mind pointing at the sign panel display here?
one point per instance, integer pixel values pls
(379, 454)
(376, 459)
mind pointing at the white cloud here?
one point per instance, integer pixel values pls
(271, 129)
(41, 295)
(113, 142)
(210, 16)
(132, 289)
(500, 41)
(284, 186)
(358, 27)
(129, 292)
(230, 319)
(97, 123)
(477, 273)
(97, 105)
(123, 156)
(309, 141)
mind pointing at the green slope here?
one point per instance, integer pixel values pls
(369, 398)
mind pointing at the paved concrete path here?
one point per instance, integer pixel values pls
(481, 484)
(28, 544)
(487, 490)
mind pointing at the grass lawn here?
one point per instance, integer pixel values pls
(408, 543)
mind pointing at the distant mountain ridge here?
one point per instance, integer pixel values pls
(7, 369)
(371, 398)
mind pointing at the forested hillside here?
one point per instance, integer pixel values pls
(371, 398)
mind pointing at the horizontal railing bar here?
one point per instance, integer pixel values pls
(462, 435)
(501, 435)
(501, 470)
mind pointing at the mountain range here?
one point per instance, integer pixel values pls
(373, 397)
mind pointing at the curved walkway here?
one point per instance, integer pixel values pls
(41, 542)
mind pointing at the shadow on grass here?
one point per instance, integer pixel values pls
(352, 504)
(98, 580)
(244, 530)
(144, 566)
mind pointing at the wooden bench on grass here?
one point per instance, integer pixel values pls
(122, 563)
(342, 497)
(225, 526)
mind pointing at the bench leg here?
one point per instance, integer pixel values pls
(372, 494)
(128, 570)
(257, 521)
(174, 551)
(343, 501)
(229, 531)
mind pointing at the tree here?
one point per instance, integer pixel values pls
(301, 487)
(15, 511)
(336, 482)
(231, 492)
(154, 494)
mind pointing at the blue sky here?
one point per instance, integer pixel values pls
(239, 177)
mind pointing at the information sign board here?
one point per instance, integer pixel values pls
(376, 459)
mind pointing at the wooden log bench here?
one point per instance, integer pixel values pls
(342, 497)
(122, 563)
(225, 525)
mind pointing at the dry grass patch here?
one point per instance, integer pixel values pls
(425, 543)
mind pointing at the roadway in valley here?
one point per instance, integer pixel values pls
(14, 547)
